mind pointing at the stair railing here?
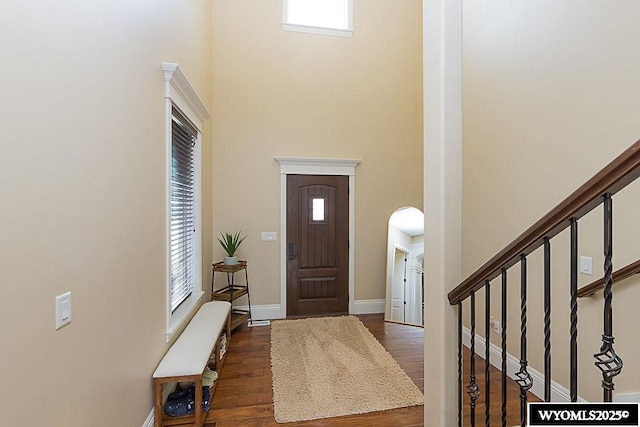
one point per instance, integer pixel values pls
(617, 276)
(599, 190)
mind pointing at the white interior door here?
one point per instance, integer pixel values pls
(399, 286)
(414, 292)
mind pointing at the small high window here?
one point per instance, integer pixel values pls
(331, 17)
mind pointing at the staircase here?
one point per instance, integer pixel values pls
(537, 241)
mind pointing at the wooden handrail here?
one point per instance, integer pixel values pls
(612, 178)
(617, 276)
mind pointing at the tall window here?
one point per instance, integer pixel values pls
(332, 17)
(185, 115)
(183, 208)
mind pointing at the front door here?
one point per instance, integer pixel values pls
(317, 244)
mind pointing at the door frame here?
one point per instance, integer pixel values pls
(316, 166)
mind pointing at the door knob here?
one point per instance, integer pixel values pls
(291, 256)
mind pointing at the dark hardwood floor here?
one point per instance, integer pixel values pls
(244, 396)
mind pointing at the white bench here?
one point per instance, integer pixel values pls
(188, 357)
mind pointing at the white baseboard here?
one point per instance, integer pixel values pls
(254, 323)
(151, 419)
(559, 393)
(166, 391)
(263, 312)
(368, 306)
(627, 397)
(272, 311)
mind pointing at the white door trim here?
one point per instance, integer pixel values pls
(316, 166)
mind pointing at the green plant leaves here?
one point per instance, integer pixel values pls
(230, 242)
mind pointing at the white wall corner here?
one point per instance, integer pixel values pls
(368, 306)
(442, 109)
(559, 393)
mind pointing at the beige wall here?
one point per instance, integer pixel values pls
(82, 186)
(551, 95)
(280, 93)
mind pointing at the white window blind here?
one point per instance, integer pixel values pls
(183, 208)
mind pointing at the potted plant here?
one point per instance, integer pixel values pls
(230, 243)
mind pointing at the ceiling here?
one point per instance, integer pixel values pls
(410, 220)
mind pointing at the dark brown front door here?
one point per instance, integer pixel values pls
(317, 244)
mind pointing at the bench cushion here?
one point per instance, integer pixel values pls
(191, 351)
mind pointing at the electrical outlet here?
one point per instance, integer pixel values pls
(495, 324)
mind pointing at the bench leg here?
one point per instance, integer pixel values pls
(199, 419)
(158, 402)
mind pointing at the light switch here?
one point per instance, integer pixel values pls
(586, 265)
(63, 309)
(269, 236)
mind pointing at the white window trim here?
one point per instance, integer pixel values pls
(317, 30)
(181, 94)
(316, 166)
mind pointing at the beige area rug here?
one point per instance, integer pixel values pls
(333, 366)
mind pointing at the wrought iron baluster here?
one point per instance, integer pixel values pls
(460, 364)
(573, 330)
(504, 347)
(607, 360)
(472, 389)
(487, 353)
(522, 377)
(547, 320)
